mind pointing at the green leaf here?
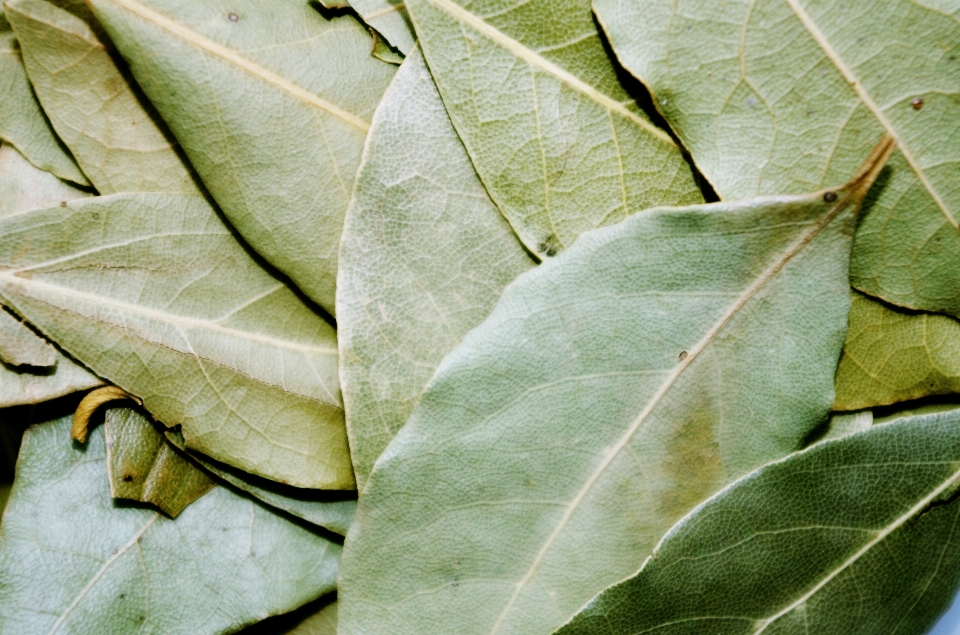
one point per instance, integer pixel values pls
(783, 97)
(326, 509)
(155, 294)
(319, 622)
(22, 122)
(72, 561)
(856, 535)
(423, 259)
(390, 19)
(142, 466)
(610, 391)
(23, 186)
(843, 424)
(109, 127)
(894, 354)
(271, 103)
(19, 346)
(555, 138)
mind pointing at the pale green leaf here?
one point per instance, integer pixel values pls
(423, 259)
(330, 510)
(783, 96)
(851, 536)
(73, 562)
(894, 354)
(300, 622)
(843, 424)
(390, 19)
(22, 122)
(610, 391)
(23, 186)
(555, 138)
(19, 346)
(142, 466)
(105, 122)
(155, 294)
(271, 102)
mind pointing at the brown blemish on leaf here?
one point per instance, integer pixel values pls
(917, 103)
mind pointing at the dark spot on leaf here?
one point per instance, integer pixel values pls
(829, 197)
(550, 246)
(683, 354)
(127, 478)
(121, 596)
(233, 17)
(63, 203)
(917, 103)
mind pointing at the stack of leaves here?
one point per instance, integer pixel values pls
(493, 318)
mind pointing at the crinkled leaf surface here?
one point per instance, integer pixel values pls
(142, 466)
(424, 257)
(271, 102)
(892, 355)
(390, 19)
(155, 294)
(19, 346)
(23, 186)
(330, 510)
(555, 138)
(73, 562)
(610, 391)
(104, 120)
(781, 96)
(851, 536)
(22, 122)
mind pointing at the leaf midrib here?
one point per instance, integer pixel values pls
(868, 101)
(537, 61)
(195, 39)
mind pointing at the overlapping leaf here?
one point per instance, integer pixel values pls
(93, 107)
(22, 122)
(781, 96)
(390, 19)
(857, 535)
(19, 346)
(424, 257)
(23, 187)
(555, 138)
(609, 392)
(155, 294)
(142, 466)
(71, 561)
(896, 355)
(271, 103)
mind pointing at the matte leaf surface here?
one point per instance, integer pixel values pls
(651, 363)
(852, 536)
(19, 346)
(271, 102)
(73, 562)
(555, 138)
(22, 122)
(155, 294)
(142, 466)
(424, 257)
(102, 118)
(330, 510)
(895, 355)
(23, 186)
(390, 19)
(784, 96)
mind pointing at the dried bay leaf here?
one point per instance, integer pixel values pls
(330, 510)
(19, 346)
(22, 121)
(71, 561)
(784, 96)
(893, 354)
(611, 390)
(271, 103)
(856, 535)
(423, 259)
(142, 466)
(155, 294)
(23, 186)
(390, 19)
(110, 128)
(555, 138)
(300, 622)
